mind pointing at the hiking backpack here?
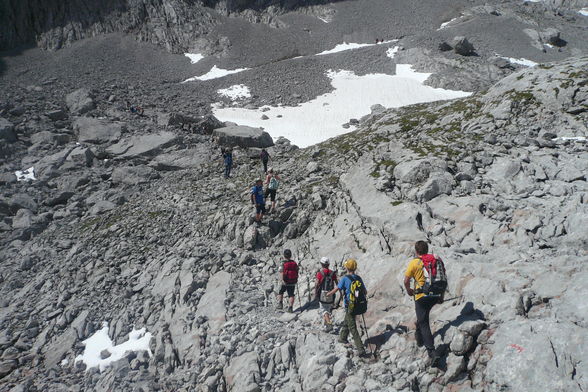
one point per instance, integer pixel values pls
(357, 298)
(290, 272)
(273, 183)
(327, 285)
(435, 276)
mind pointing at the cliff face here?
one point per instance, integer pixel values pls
(174, 24)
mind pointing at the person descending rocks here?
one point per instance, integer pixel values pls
(289, 280)
(272, 180)
(428, 273)
(228, 159)
(355, 300)
(258, 200)
(326, 280)
(265, 157)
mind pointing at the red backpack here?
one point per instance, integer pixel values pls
(290, 272)
(435, 276)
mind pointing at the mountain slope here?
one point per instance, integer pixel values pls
(489, 180)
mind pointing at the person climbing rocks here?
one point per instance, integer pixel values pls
(289, 280)
(272, 180)
(265, 157)
(258, 200)
(349, 324)
(228, 159)
(423, 303)
(326, 280)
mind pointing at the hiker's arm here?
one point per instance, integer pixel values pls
(409, 290)
(252, 201)
(333, 291)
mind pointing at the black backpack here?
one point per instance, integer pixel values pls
(327, 285)
(357, 297)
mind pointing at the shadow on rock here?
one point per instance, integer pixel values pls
(468, 313)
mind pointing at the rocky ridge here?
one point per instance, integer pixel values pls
(130, 222)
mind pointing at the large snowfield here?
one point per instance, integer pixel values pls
(323, 117)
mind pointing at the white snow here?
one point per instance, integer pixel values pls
(320, 119)
(215, 73)
(583, 11)
(236, 91)
(582, 139)
(521, 61)
(194, 57)
(445, 24)
(24, 175)
(350, 46)
(392, 51)
(100, 341)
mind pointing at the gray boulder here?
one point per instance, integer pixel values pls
(7, 131)
(80, 101)
(143, 145)
(462, 46)
(133, 175)
(81, 156)
(56, 115)
(243, 136)
(93, 130)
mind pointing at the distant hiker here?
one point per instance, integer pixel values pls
(355, 300)
(258, 200)
(272, 180)
(428, 272)
(265, 157)
(228, 159)
(326, 280)
(289, 279)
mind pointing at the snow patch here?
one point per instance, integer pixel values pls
(392, 51)
(521, 61)
(581, 139)
(583, 11)
(445, 24)
(194, 57)
(320, 119)
(350, 46)
(236, 91)
(215, 73)
(100, 341)
(25, 175)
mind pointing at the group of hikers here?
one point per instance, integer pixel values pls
(425, 280)
(258, 193)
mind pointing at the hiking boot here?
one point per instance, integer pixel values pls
(279, 307)
(364, 355)
(328, 328)
(290, 309)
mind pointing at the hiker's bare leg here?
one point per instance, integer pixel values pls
(291, 300)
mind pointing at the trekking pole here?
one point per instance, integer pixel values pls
(298, 292)
(368, 336)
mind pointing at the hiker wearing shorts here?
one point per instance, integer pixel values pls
(258, 200)
(349, 324)
(272, 180)
(325, 278)
(422, 303)
(288, 279)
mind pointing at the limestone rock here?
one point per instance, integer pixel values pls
(93, 130)
(80, 101)
(243, 136)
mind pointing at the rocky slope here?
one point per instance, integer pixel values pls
(130, 222)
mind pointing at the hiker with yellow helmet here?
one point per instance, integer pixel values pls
(354, 299)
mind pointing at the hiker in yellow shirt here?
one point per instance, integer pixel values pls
(423, 303)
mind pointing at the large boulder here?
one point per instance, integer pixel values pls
(462, 46)
(243, 136)
(7, 131)
(143, 145)
(80, 101)
(93, 130)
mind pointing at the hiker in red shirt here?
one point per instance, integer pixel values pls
(289, 279)
(326, 280)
